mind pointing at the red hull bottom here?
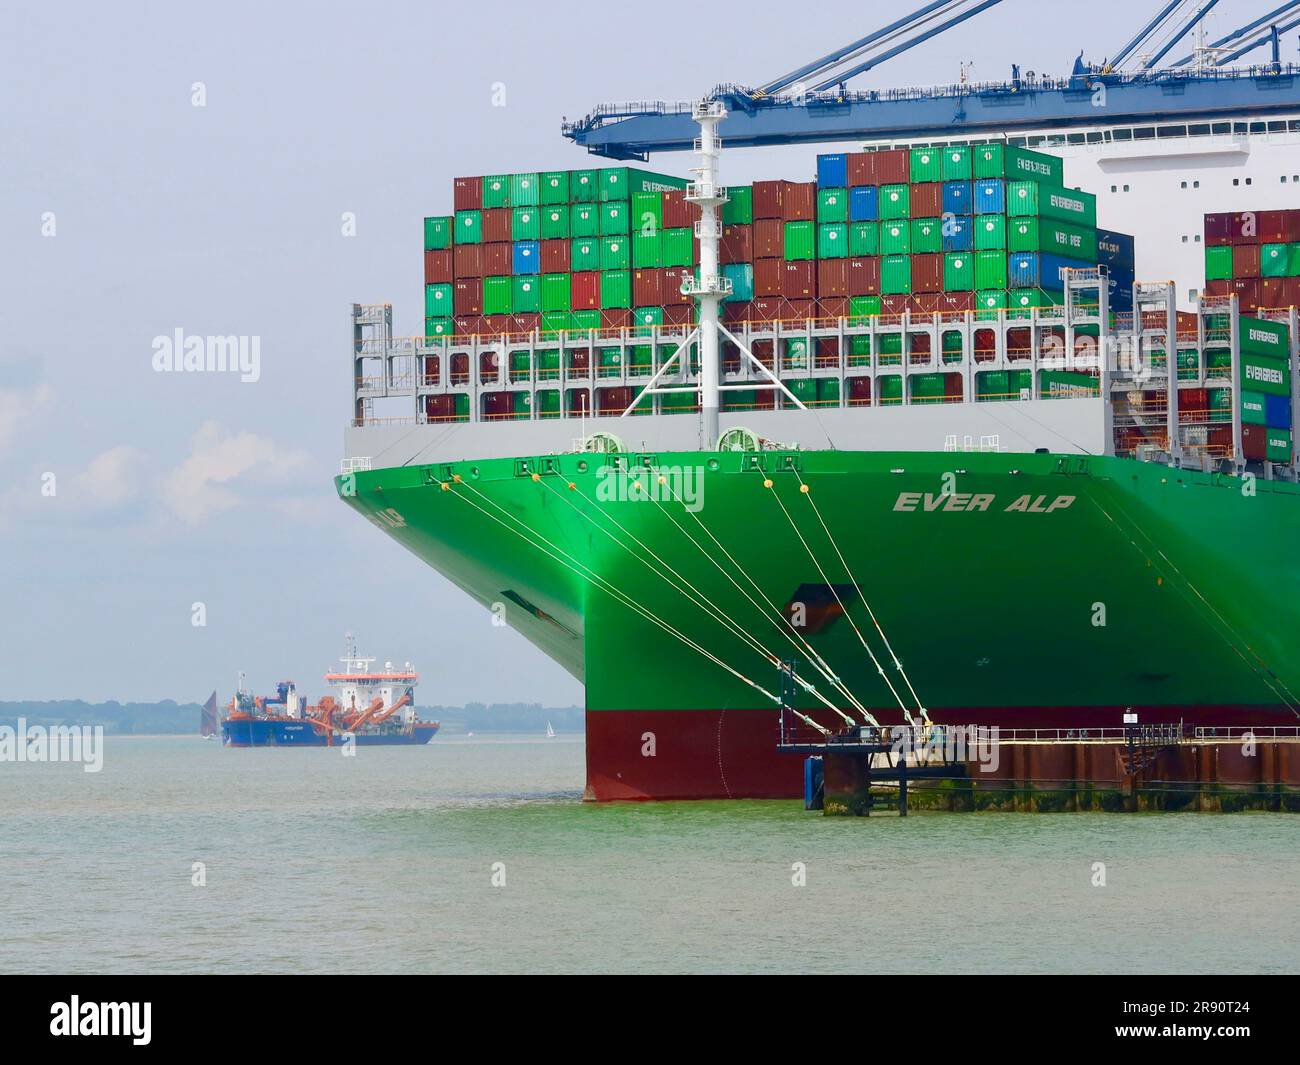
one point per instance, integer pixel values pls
(731, 754)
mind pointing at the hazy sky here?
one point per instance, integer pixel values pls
(126, 212)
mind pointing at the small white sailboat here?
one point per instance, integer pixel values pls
(550, 732)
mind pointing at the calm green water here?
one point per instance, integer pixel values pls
(383, 863)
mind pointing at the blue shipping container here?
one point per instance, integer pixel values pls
(864, 204)
(990, 196)
(527, 257)
(741, 276)
(957, 197)
(1032, 269)
(1277, 412)
(832, 171)
(958, 233)
(1115, 249)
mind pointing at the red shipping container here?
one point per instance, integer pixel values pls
(769, 199)
(864, 277)
(615, 318)
(859, 391)
(925, 304)
(952, 385)
(679, 313)
(496, 324)
(647, 288)
(1244, 228)
(1218, 288)
(489, 367)
(526, 323)
(1245, 260)
(496, 225)
(893, 167)
(579, 360)
(766, 309)
(610, 401)
(440, 408)
(438, 267)
(767, 277)
(956, 302)
(498, 405)
(737, 311)
(833, 277)
(895, 304)
(862, 168)
(430, 369)
(736, 245)
(1276, 227)
(677, 213)
(800, 204)
(1290, 292)
(584, 290)
(467, 193)
(798, 311)
(1254, 442)
(1219, 230)
(798, 280)
(496, 260)
(927, 199)
(833, 307)
(927, 273)
(1247, 293)
(769, 238)
(468, 297)
(1271, 294)
(556, 256)
(468, 260)
(671, 285)
(459, 368)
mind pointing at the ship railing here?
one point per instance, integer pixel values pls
(1246, 732)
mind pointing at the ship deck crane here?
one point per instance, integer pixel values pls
(813, 103)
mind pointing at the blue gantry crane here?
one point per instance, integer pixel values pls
(814, 103)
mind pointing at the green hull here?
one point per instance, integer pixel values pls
(1016, 589)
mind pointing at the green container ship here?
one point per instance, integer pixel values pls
(972, 518)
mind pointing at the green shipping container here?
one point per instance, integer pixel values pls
(554, 188)
(548, 402)
(647, 251)
(1057, 238)
(1262, 374)
(647, 212)
(1293, 260)
(526, 223)
(990, 232)
(895, 202)
(615, 289)
(497, 295)
(584, 255)
(927, 387)
(554, 322)
(828, 391)
(1265, 338)
(895, 238)
(615, 253)
(989, 302)
(437, 233)
(864, 239)
(469, 227)
(615, 218)
(804, 389)
(648, 316)
(1028, 198)
(522, 404)
(992, 384)
(958, 271)
(927, 236)
(526, 294)
(1021, 383)
(584, 186)
(832, 205)
(556, 292)
(1220, 404)
(1277, 445)
(799, 238)
(890, 389)
(957, 162)
(833, 241)
(1218, 264)
(525, 190)
(926, 165)
(584, 220)
(678, 246)
(1253, 407)
(438, 327)
(581, 321)
(437, 301)
(895, 275)
(496, 191)
(861, 308)
(1274, 260)
(1016, 164)
(990, 270)
(620, 182)
(1063, 384)
(555, 222)
(739, 208)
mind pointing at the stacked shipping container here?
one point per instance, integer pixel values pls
(1265, 390)
(1256, 255)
